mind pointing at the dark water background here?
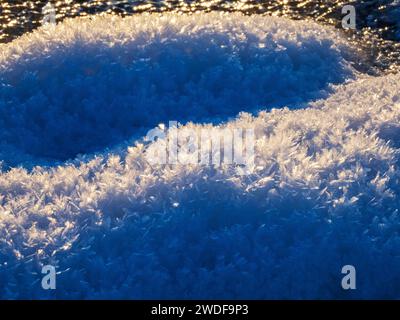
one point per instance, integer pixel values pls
(378, 26)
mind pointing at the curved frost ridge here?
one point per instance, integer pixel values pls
(323, 193)
(89, 84)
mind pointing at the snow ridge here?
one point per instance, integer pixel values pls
(323, 193)
(95, 78)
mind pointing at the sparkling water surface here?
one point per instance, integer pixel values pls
(377, 34)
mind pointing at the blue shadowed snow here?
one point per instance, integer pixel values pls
(323, 191)
(88, 94)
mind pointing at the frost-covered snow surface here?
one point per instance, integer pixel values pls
(102, 81)
(323, 191)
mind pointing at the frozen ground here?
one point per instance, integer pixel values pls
(323, 191)
(102, 81)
